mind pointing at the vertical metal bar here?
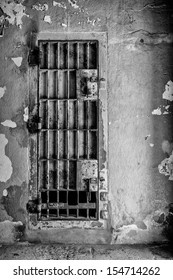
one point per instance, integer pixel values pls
(57, 90)
(58, 65)
(48, 144)
(68, 96)
(77, 126)
(77, 55)
(88, 56)
(87, 122)
(38, 138)
(77, 138)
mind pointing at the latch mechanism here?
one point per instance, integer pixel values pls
(32, 206)
(87, 83)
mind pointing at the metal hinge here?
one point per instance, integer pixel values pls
(34, 57)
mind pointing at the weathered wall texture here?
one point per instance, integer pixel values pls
(140, 96)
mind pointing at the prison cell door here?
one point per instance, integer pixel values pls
(68, 131)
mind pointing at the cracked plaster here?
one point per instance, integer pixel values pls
(17, 60)
(9, 123)
(14, 11)
(5, 163)
(2, 91)
(168, 93)
(47, 19)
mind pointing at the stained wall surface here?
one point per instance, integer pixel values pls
(140, 95)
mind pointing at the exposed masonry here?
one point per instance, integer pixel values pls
(9, 123)
(5, 163)
(2, 91)
(13, 11)
(17, 60)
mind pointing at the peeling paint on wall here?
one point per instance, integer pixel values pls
(73, 3)
(2, 91)
(47, 19)
(9, 123)
(5, 163)
(64, 25)
(40, 7)
(151, 145)
(157, 111)
(5, 192)
(166, 167)
(60, 5)
(168, 93)
(14, 11)
(26, 114)
(17, 60)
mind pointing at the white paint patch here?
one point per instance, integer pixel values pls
(131, 47)
(157, 111)
(40, 7)
(60, 5)
(5, 192)
(14, 11)
(47, 19)
(17, 60)
(166, 112)
(166, 167)
(168, 93)
(64, 25)
(26, 114)
(9, 123)
(73, 3)
(151, 145)
(5, 163)
(2, 91)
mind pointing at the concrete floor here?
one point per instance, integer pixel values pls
(26, 251)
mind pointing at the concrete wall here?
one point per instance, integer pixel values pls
(140, 95)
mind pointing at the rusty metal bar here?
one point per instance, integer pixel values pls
(87, 122)
(77, 55)
(48, 125)
(88, 55)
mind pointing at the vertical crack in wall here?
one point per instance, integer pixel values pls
(5, 163)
